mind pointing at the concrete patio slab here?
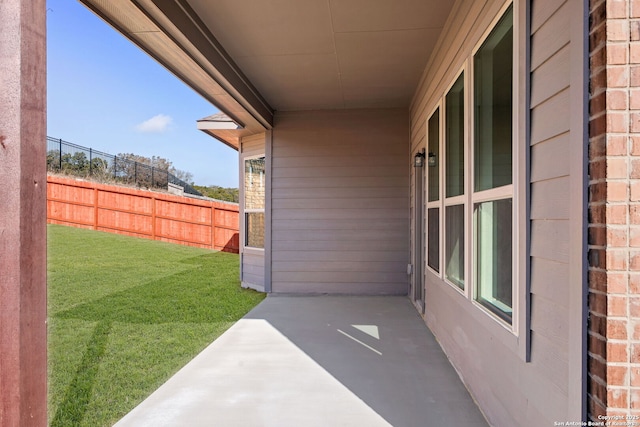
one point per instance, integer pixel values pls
(316, 361)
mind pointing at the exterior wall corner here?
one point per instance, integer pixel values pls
(614, 209)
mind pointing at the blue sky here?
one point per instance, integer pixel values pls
(107, 94)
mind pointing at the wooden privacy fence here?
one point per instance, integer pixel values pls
(176, 219)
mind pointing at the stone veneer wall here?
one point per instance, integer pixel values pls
(614, 208)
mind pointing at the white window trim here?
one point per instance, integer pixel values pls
(513, 335)
(521, 158)
(468, 256)
(435, 203)
(518, 173)
(464, 198)
(243, 246)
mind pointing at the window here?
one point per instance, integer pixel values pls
(492, 179)
(454, 184)
(433, 190)
(493, 255)
(254, 202)
(470, 190)
(493, 107)
(454, 148)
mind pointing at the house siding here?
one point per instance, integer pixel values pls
(340, 202)
(550, 192)
(544, 383)
(252, 266)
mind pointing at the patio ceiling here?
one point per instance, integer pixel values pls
(327, 54)
(252, 57)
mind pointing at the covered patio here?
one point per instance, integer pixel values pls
(347, 146)
(317, 361)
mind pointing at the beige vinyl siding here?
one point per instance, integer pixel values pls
(253, 145)
(551, 186)
(252, 267)
(509, 389)
(253, 270)
(340, 200)
(454, 46)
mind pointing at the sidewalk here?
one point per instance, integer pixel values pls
(316, 361)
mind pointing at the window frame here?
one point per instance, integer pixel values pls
(436, 204)
(517, 190)
(514, 335)
(246, 211)
(462, 199)
(509, 190)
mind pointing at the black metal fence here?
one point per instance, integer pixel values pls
(65, 157)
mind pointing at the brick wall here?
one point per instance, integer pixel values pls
(614, 208)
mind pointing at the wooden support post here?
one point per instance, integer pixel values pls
(23, 217)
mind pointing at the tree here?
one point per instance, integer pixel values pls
(53, 160)
(156, 162)
(76, 163)
(144, 171)
(134, 167)
(100, 168)
(219, 193)
(183, 175)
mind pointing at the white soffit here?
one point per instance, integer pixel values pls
(326, 54)
(251, 57)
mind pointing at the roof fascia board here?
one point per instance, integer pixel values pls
(158, 58)
(229, 77)
(218, 125)
(215, 93)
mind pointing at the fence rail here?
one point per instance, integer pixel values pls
(68, 158)
(184, 220)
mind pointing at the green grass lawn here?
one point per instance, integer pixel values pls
(125, 314)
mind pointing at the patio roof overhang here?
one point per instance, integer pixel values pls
(252, 58)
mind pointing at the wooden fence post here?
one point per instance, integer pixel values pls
(213, 227)
(95, 207)
(153, 217)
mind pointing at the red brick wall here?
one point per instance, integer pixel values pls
(597, 357)
(614, 208)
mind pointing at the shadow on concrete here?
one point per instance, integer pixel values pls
(381, 350)
(316, 361)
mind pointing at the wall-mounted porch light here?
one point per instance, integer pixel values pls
(418, 160)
